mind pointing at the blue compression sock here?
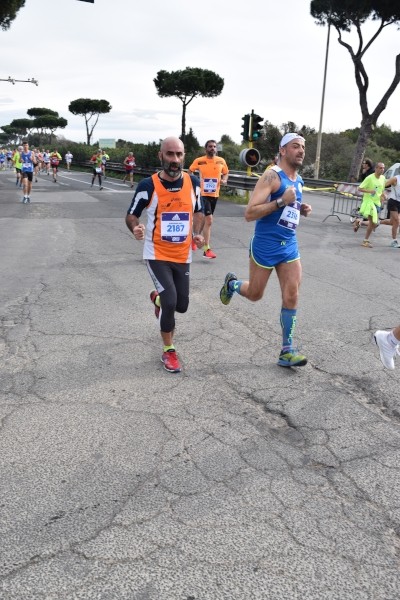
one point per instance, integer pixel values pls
(288, 324)
(234, 285)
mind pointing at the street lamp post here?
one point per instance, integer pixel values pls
(318, 155)
(14, 81)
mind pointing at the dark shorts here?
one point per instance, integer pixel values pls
(128, 170)
(393, 205)
(27, 175)
(209, 204)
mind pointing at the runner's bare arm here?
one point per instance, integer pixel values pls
(135, 227)
(259, 205)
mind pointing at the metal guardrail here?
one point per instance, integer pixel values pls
(120, 168)
(237, 180)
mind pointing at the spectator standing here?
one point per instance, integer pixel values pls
(367, 168)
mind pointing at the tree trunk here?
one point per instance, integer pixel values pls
(362, 141)
(88, 135)
(183, 132)
(369, 120)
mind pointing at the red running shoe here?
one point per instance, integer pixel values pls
(209, 254)
(171, 362)
(153, 296)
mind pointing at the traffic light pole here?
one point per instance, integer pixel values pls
(248, 171)
(251, 130)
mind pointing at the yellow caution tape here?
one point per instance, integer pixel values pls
(328, 189)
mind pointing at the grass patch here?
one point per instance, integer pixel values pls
(234, 197)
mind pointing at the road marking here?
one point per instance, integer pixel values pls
(42, 180)
(105, 187)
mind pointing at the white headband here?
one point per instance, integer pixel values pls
(290, 137)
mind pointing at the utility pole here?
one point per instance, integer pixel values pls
(319, 138)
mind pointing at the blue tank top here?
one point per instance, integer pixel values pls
(281, 225)
(26, 160)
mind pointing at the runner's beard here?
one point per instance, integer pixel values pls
(172, 169)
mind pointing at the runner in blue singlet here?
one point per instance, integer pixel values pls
(276, 205)
(28, 163)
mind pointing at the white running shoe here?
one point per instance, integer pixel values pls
(395, 244)
(386, 349)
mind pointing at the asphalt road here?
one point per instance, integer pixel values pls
(233, 480)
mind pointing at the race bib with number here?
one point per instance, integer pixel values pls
(175, 227)
(98, 169)
(210, 185)
(290, 216)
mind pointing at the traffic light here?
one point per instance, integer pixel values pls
(250, 157)
(246, 128)
(257, 128)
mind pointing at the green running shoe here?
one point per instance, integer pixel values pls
(291, 358)
(225, 293)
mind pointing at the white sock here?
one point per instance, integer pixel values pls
(394, 341)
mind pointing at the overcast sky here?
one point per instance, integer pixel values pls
(270, 54)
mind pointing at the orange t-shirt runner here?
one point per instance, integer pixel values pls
(211, 170)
